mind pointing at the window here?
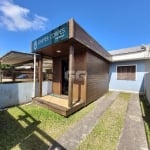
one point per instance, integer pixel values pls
(126, 72)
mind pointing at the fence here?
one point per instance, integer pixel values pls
(19, 93)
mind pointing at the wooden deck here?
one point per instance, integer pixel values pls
(58, 104)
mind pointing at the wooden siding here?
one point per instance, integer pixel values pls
(97, 77)
(56, 87)
(79, 34)
(79, 85)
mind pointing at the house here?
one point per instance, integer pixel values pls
(128, 69)
(80, 68)
(72, 70)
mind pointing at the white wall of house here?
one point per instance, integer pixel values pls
(19, 93)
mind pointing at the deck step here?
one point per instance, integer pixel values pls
(75, 108)
(58, 108)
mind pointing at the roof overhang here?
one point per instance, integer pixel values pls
(14, 58)
(56, 42)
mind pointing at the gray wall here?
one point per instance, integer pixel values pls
(147, 86)
(19, 93)
(147, 80)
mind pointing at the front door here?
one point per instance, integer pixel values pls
(65, 77)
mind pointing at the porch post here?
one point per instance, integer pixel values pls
(34, 76)
(40, 75)
(71, 69)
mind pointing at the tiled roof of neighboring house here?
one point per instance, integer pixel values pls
(129, 50)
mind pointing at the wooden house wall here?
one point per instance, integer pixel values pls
(92, 84)
(56, 86)
(97, 77)
(79, 84)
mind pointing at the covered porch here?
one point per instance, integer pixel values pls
(68, 92)
(70, 48)
(68, 56)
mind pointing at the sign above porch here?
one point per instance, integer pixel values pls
(57, 35)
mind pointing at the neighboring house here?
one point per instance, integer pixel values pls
(128, 68)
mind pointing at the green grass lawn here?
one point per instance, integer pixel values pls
(31, 127)
(106, 134)
(146, 116)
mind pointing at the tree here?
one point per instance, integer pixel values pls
(5, 66)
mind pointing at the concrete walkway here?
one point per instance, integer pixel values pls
(72, 138)
(133, 136)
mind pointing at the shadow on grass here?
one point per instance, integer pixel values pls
(12, 133)
(145, 107)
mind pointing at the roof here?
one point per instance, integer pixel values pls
(80, 35)
(129, 50)
(73, 34)
(14, 57)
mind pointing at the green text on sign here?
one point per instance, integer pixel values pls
(57, 35)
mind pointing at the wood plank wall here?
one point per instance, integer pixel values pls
(97, 77)
(79, 85)
(56, 86)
